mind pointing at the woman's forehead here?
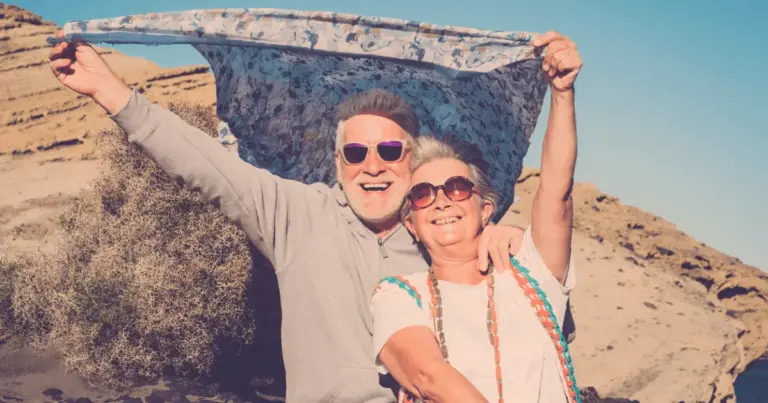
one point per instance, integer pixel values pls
(436, 172)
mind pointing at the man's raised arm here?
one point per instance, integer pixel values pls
(257, 201)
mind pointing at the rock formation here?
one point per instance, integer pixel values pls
(38, 115)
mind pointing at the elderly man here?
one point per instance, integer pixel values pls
(329, 246)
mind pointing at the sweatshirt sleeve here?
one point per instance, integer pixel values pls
(275, 213)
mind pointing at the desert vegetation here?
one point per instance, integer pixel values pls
(148, 277)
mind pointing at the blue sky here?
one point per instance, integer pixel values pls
(672, 101)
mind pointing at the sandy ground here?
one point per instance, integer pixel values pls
(34, 194)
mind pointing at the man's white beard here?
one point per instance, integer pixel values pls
(392, 209)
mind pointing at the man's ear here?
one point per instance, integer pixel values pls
(339, 164)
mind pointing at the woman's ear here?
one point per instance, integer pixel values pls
(408, 221)
(487, 211)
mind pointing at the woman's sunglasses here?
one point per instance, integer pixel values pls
(389, 151)
(457, 188)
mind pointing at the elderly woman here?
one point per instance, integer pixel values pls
(457, 334)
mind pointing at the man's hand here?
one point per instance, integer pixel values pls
(79, 67)
(499, 242)
(562, 62)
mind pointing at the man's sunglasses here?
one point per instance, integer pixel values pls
(457, 188)
(389, 151)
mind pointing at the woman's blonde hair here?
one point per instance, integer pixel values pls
(429, 148)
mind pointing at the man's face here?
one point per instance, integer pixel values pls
(374, 187)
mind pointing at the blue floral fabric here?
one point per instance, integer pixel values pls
(280, 75)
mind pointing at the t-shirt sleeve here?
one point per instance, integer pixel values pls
(396, 305)
(557, 293)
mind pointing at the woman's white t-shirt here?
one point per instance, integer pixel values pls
(529, 360)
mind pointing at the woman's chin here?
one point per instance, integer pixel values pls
(447, 241)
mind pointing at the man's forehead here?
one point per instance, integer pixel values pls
(372, 128)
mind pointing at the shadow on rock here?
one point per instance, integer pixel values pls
(590, 395)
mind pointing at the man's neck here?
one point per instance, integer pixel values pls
(384, 233)
(383, 230)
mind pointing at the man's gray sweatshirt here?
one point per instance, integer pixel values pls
(327, 262)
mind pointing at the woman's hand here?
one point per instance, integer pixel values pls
(562, 62)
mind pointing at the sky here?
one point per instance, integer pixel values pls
(672, 102)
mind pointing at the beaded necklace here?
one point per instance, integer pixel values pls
(492, 325)
(541, 306)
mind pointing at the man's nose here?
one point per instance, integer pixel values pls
(373, 165)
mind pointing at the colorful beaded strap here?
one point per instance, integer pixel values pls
(402, 283)
(546, 314)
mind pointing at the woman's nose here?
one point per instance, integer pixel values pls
(442, 201)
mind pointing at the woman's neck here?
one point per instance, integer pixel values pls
(457, 264)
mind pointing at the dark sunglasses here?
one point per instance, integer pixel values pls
(457, 188)
(389, 151)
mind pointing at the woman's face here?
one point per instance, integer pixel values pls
(448, 220)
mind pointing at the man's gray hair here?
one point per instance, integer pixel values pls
(429, 148)
(377, 102)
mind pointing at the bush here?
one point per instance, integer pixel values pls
(147, 278)
(22, 313)
(8, 271)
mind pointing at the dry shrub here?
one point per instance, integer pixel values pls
(148, 276)
(8, 270)
(23, 304)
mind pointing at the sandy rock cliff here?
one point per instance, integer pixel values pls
(46, 131)
(38, 115)
(660, 316)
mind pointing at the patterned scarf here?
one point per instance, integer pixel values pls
(280, 75)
